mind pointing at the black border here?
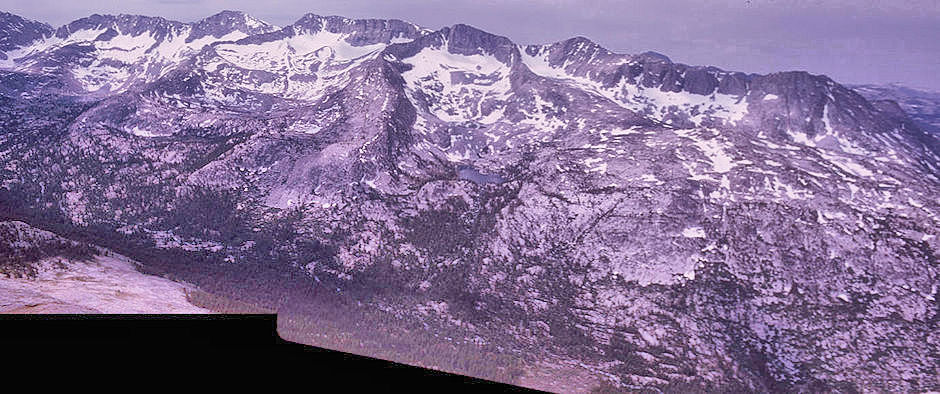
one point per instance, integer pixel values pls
(246, 341)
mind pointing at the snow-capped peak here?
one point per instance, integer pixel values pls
(105, 54)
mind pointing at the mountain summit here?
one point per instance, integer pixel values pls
(226, 22)
(16, 31)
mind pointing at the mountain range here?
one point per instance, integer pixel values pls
(639, 223)
(920, 104)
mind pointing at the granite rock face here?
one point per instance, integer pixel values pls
(666, 226)
(16, 31)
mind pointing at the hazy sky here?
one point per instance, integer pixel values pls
(852, 41)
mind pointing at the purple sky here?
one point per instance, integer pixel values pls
(852, 41)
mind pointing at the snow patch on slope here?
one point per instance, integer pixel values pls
(299, 67)
(651, 101)
(461, 87)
